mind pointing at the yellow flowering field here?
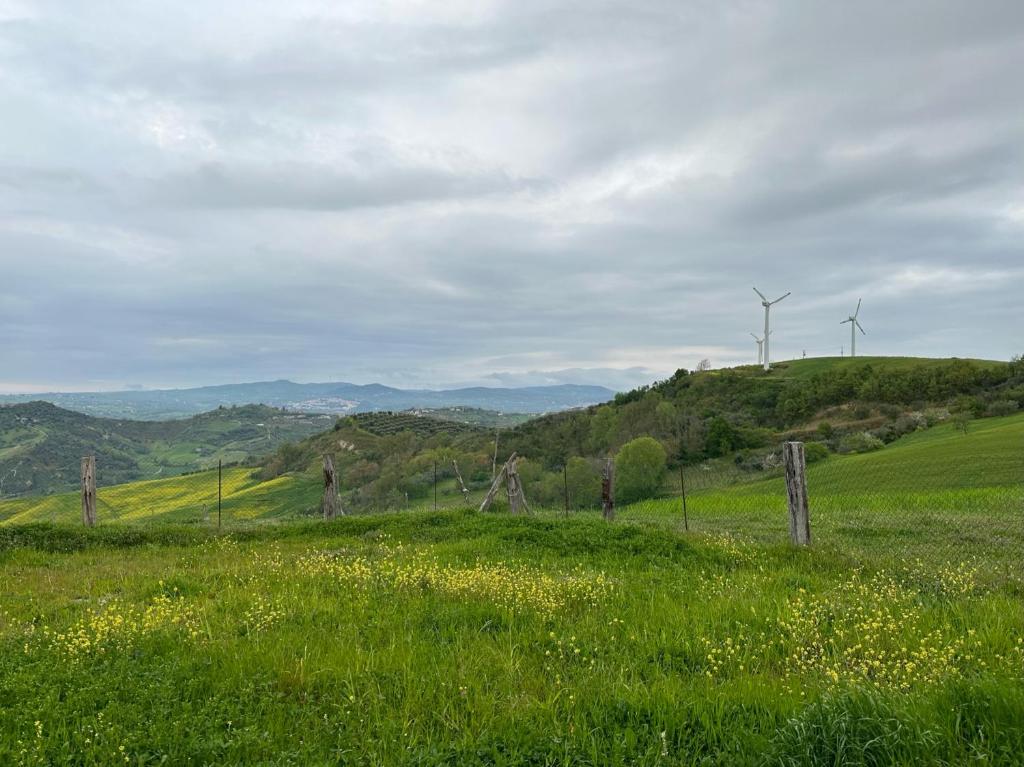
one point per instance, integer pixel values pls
(457, 638)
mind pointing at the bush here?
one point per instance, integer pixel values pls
(639, 469)
(814, 452)
(1002, 407)
(860, 442)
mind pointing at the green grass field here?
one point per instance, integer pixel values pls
(453, 638)
(937, 494)
(463, 639)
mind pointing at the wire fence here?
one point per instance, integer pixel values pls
(940, 510)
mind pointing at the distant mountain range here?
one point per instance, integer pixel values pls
(334, 398)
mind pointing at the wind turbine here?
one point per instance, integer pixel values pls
(854, 327)
(767, 326)
(760, 348)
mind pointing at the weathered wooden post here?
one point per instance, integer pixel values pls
(331, 503)
(89, 490)
(514, 486)
(608, 490)
(796, 487)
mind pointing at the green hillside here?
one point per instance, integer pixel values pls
(740, 416)
(385, 423)
(723, 428)
(41, 445)
(188, 499)
(810, 367)
(488, 419)
(919, 494)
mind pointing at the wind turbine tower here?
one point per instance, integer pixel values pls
(854, 327)
(767, 361)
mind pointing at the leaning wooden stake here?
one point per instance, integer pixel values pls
(608, 490)
(462, 485)
(495, 485)
(331, 503)
(796, 487)
(89, 490)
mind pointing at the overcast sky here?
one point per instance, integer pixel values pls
(428, 193)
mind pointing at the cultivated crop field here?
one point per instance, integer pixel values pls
(458, 638)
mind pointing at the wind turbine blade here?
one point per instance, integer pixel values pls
(780, 298)
(858, 309)
(755, 338)
(859, 327)
(845, 321)
(760, 294)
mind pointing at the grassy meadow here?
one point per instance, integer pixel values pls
(458, 638)
(937, 494)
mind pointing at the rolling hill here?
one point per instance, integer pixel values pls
(41, 445)
(735, 418)
(940, 470)
(335, 398)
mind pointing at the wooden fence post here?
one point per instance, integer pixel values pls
(796, 487)
(331, 503)
(608, 490)
(89, 490)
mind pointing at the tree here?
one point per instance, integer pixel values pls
(704, 365)
(639, 469)
(584, 483)
(721, 438)
(603, 427)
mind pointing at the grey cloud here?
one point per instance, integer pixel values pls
(308, 187)
(501, 192)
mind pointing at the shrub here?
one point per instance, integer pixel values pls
(639, 469)
(860, 442)
(815, 451)
(962, 421)
(1002, 407)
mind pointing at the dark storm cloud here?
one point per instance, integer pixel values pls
(500, 192)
